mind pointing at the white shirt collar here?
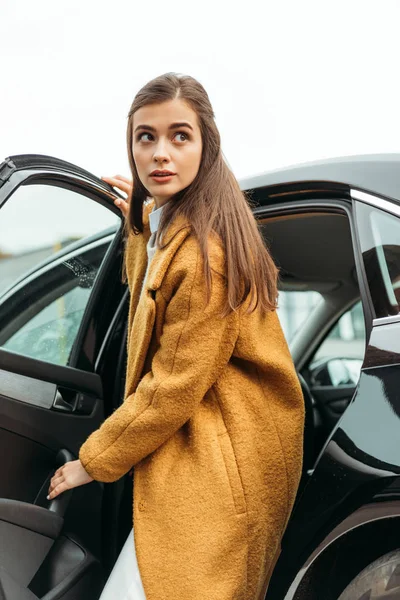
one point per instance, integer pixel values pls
(154, 218)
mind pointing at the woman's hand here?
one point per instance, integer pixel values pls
(123, 184)
(69, 476)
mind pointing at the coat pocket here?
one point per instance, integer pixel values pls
(232, 472)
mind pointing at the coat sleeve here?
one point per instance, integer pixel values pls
(195, 345)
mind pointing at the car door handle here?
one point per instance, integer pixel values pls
(77, 403)
(59, 504)
(62, 405)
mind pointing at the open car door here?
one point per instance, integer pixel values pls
(60, 296)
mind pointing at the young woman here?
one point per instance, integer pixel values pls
(213, 415)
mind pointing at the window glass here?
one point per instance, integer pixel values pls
(52, 243)
(346, 339)
(380, 245)
(294, 308)
(340, 356)
(50, 334)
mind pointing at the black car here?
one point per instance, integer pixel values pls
(333, 228)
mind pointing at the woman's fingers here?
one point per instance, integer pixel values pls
(59, 489)
(70, 475)
(55, 481)
(122, 183)
(123, 206)
(123, 178)
(55, 486)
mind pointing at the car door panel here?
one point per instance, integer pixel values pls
(33, 429)
(26, 389)
(53, 428)
(50, 404)
(28, 456)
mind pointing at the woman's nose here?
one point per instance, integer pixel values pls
(161, 152)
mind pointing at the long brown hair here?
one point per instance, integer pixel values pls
(213, 202)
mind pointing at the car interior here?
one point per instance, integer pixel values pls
(40, 559)
(323, 261)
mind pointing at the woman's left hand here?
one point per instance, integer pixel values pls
(69, 476)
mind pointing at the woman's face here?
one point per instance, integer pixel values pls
(166, 147)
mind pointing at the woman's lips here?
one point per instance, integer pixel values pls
(162, 178)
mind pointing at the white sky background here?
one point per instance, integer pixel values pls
(290, 81)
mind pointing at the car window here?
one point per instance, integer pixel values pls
(52, 243)
(340, 356)
(294, 308)
(379, 234)
(50, 334)
(346, 339)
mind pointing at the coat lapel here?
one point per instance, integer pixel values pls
(174, 237)
(143, 303)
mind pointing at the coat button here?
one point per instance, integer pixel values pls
(141, 506)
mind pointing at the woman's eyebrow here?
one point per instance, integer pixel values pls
(180, 124)
(172, 126)
(148, 127)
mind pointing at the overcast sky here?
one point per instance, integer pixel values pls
(290, 81)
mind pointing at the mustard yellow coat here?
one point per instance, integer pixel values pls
(213, 424)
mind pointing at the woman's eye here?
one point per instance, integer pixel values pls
(180, 136)
(145, 137)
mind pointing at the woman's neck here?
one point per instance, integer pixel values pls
(159, 202)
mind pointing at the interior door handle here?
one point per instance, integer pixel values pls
(62, 405)
(72, 402)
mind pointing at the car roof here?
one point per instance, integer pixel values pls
(378, 173)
